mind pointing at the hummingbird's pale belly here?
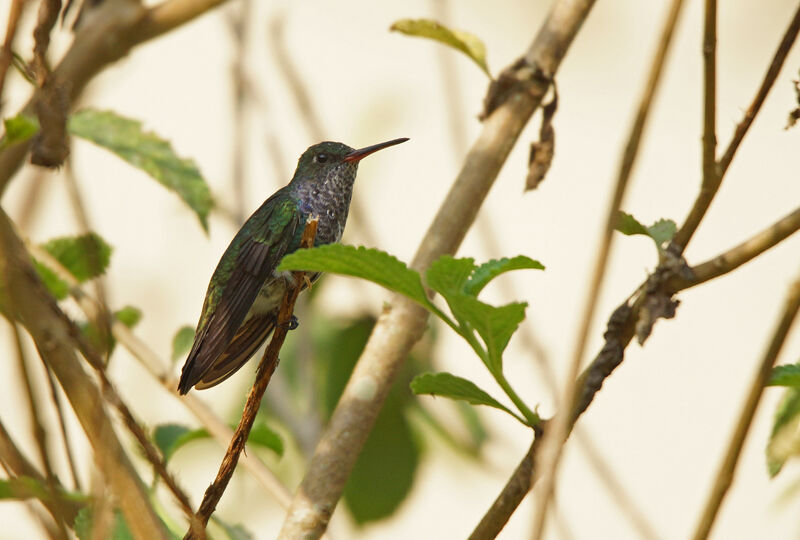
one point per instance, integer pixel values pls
(270, 295)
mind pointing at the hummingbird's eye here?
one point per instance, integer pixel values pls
(322, 158)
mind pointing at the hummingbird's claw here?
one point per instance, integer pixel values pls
(291, 324)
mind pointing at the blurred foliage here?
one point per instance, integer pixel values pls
(784, 440)
(85, 257)
(148, 152)
(182, 342)
(169, 438)
(384, 473)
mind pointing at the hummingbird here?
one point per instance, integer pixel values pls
(243, 298)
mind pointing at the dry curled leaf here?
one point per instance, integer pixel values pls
(543, 151)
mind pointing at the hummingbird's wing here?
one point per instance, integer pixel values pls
(253, 332)
(249, 261)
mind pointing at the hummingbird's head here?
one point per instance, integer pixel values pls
(329, 160)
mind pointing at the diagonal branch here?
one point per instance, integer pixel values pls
(265, 369)
(400, 326)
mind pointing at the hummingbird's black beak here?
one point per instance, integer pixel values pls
(357, 155)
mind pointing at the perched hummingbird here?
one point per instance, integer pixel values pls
(245, 292)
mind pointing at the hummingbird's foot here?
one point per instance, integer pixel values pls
(291, 324)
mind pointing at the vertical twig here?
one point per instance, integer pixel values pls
(265, 369)
(63, 427)
(558, 430)
(239, 24)
(727, 468)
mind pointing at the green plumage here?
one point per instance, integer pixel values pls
(245, 292)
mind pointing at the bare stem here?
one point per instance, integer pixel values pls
(727, 468)
(11, 31)
(556, 434)
(708, 191)
(265, 369)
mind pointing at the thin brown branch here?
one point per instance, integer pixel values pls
(707, 192)
(742, 253)
(25, 299)
(39, 433)
(265, 370)
(518, 485)
(46, 19)
(710, 173)
(724, 477)
(556, 434)
(117, 27)
(6, 53)
(401, 325)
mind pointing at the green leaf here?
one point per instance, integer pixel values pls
(495, 325)
(490, 270)
(182, 342)
(451, 386)
(660, 232)
(148, 152)
(784, 441)
(465, 42)
(129, 316)
(370, 264)
(448, 275)
(262, 435)
(86, 256)
(171, 437)
(18, 129)
(54, 284)
(785, 375)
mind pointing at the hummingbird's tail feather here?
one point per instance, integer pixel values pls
(248, 339)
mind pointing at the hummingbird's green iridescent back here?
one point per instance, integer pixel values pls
(245, 292)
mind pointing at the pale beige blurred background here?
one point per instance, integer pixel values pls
(663, 418)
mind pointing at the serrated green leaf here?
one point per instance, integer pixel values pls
(451, 386)
(465, 42)
(370, 264)
(629, 225)
(785, 375)
(448, 275)
(129, 316)
(660, 232)
(182, 342)
(495, 325)
(784, 441)
(148, 152)
(85, 256)
(18, 129)
(54, 284)
(491, 269)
